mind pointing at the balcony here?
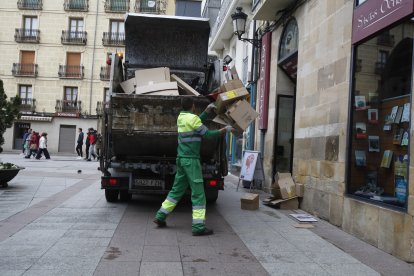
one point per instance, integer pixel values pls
(379, 67)
(120, 6)
(71, 72)
(27, 35)
(113, 39)
(75, 5)
(105, 73)
(27, 105)
(386, 40)
(24, 70)
(29, 4)
(151, 6)
(68, 106)
(267, 9)
(101, 107)
(73, 38)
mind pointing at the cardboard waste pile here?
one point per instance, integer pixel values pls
(230, 99)
(157, 81)
(285, 192)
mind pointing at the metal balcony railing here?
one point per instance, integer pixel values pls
(71, 71)
(105, 72)
(225, 5)
(24, 70)
(113, 39)
(101, 107)
(27, 105)
(29, 4)
(151, 6)
(379, 67)
(75, 5)
(73, 38)
(117, 6)
(27, 35)
(68, 106)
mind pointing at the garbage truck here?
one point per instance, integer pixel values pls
(139, 132)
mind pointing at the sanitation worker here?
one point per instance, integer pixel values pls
(190, 132)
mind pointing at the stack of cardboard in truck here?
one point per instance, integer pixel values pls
(157, 81)
(285, 192)
(232, 106)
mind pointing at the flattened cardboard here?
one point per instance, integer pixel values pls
(280, 175)
(220, 120)
(249, 201)
(287, 187)
(150, 76)
(227, 98)
(286, 204)
(300, 190)
(128, 86)
(231, 85)
(304, 226)
(156, 87)
(184, 86)
(241, 115)
(165, 93)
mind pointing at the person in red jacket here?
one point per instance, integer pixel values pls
(33, 145)
(92, 147)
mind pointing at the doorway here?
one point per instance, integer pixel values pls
(19, 129)
(67, 138)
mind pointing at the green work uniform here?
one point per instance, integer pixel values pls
(190, 132)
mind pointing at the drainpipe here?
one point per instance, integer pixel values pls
(93, 57)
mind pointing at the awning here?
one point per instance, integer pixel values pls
(36, 118)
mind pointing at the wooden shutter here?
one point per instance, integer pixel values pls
(73, 64)
(27, 62)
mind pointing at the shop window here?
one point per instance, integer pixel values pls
(380, 120)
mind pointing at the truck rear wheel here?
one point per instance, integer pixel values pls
(125, 196)
(111, 195)
(211, 196)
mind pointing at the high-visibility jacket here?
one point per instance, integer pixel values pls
(190, 132)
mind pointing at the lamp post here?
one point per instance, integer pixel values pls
(239, 27)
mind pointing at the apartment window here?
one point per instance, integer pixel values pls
(76, 27)
(383, 56)
(30, 25)
(25, 93)
(117, 27)
(71, 95)
(107, 97)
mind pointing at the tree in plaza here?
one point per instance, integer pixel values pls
(9, 111)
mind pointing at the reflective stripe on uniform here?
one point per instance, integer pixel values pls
(197, 221)
(202, 130)
(167, 206)
(171, 199)
(190, 139)
(199, 207)
(199, 214)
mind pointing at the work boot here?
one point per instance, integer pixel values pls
(160, 223)
(205, 232)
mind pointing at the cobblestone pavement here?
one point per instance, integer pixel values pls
(55, 221)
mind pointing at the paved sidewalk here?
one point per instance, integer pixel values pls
(55, 221)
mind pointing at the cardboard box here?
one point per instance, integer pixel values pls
(231, 85)
(162, 86)
(184, 86)
(287, 187)
(165, 93)
(275, 191)
(128, 86)
(241, 115)
(300, 190)
(150, 76)
(227, 98)
(280, 175)
(286, 204)
(249, 201)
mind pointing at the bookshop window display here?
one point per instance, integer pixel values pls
(380, 117)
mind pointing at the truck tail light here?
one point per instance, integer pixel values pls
(213, 183)
(113, 182)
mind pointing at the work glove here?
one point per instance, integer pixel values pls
(210, 107)
(229, 129)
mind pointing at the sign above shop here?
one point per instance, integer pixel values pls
(375, 15)
(264, 85)
(67, 114)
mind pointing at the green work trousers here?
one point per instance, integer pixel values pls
(188, 173)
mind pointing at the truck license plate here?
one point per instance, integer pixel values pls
(149, 183)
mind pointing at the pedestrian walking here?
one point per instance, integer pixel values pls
(87, 143)
(33, 145)
(27, 142)
(92, 142)
(79, 144)
(26, 132)
(190, 132)
(98, 145)
(43, 147)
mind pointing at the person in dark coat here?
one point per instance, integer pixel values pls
(79, 144)
(87, 143)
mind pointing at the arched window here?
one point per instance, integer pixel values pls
(289, 41)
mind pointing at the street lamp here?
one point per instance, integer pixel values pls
(239, 27)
